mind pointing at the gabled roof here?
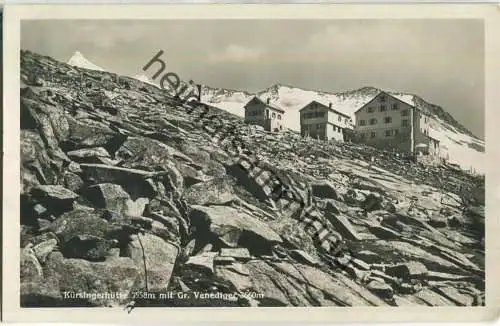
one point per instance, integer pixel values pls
(258, 100)
(327, 107)
(402, 97)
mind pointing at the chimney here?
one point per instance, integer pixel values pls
(199, 92)
(330, 105)
(268, 99)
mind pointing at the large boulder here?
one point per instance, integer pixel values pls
(407, 271)
(145, 152)
(50, 121)
(81, 234)
(136, 182)
(324, 189)
(56, 198)
(37, 165)
(372, 202)
(87, 132)
(203, 262)
(43, 249)
(294, 284)
(30, 266)
(216, 191)
(234, 228)
(116, 276)
(73, 182)
(110, 196)
(154, 256)
(89, 155)
(343, 226)
(41, 293)
(89, 247)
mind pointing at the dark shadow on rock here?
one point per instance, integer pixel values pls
(245, 181)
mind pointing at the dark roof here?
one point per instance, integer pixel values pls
(266, 104)
(327, 107)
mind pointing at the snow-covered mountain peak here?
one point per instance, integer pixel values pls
(79, 60)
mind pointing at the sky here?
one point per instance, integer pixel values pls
(442, 61)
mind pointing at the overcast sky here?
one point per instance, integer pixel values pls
(439, 60)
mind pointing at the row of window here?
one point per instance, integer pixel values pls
(318, 126)
(388, 133)
(373, 121)
(274, 116)
(309, 115)
(259, 112)
(383, 108)
(312, 115)
(254, 113)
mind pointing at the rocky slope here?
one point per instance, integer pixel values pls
(124, 191)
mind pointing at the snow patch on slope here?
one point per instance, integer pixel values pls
(145, 79)
(459, 148)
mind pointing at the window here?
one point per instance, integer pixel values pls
(382, 98)
(373, 134)
(387, 119)
(373, 121)
(395, 106)
(396, 132)
(383, 108)
(267, 114)
(318, 126)
(404, 123)
(362, 122)
(370, 110)
(274, 115)
(405, 113)
(388, 133)
(346, 120)
(279, 116)
(340, 118)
